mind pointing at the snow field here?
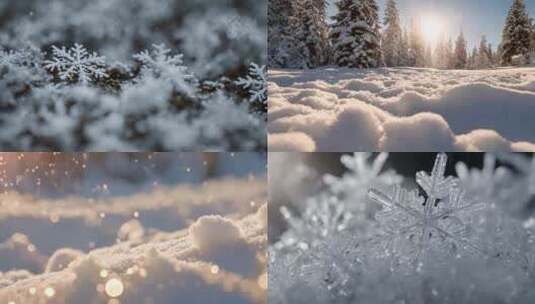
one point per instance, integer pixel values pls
(401, 109)
(194, 244)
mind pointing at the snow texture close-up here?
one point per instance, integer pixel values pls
(401, 109)
(462, 230)
(112, 75)
(199, 239)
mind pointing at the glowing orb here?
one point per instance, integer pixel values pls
(104, 273)
(114, 288)
(214, 269)
(50, 292)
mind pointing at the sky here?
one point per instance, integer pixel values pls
(475, 17)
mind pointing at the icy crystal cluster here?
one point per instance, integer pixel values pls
(452, 241)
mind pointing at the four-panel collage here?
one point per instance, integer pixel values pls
(267, 151)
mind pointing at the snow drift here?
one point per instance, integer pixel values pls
(155, 247)
(403, 109)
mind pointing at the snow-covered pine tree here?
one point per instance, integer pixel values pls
(492, 54)
(473, 60)
(440, 54)
(517, 33)
(355, 34)
(461, 55)
(308, 28)
(450, 54)
(428, 56)
(416, 45)
(392, 36)
(404, 49)
(484, 57)
(498, 55)
(279, 41)
(321, 8)
(307, 34)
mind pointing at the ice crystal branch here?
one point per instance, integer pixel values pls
(432, 221)
(161, 64)
(323, 217)
(361, 173)
(8, 57)
(364, 172)
(255, 83)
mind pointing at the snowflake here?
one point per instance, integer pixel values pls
(362, 174)
(255, 83)
(323, 217)
(439, 221)
(8, 57)
(76, 63)
(160, 64)
(29, 57)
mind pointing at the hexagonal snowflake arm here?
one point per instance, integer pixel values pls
(437, 185)
(401, 199)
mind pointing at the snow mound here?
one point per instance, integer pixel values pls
(401, 109)
(192, 244)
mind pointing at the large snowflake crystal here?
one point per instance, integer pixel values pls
(76, 63)
(255, 83)
(362, 174)
(440, 221)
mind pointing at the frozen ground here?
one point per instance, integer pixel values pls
(188, 243)
(403, 109)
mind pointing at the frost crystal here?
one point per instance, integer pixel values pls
(162, 65)
(439, 221)
(447, 244)
(323, 217)
(8, 57)
(352, 188)
(361, 173)
(255, 83)
(76, 63)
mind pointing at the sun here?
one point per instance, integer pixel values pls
(432, 28)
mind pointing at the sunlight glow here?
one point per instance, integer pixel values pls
(432, 28)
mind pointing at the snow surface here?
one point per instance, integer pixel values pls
(159, 245)
(401, 109)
